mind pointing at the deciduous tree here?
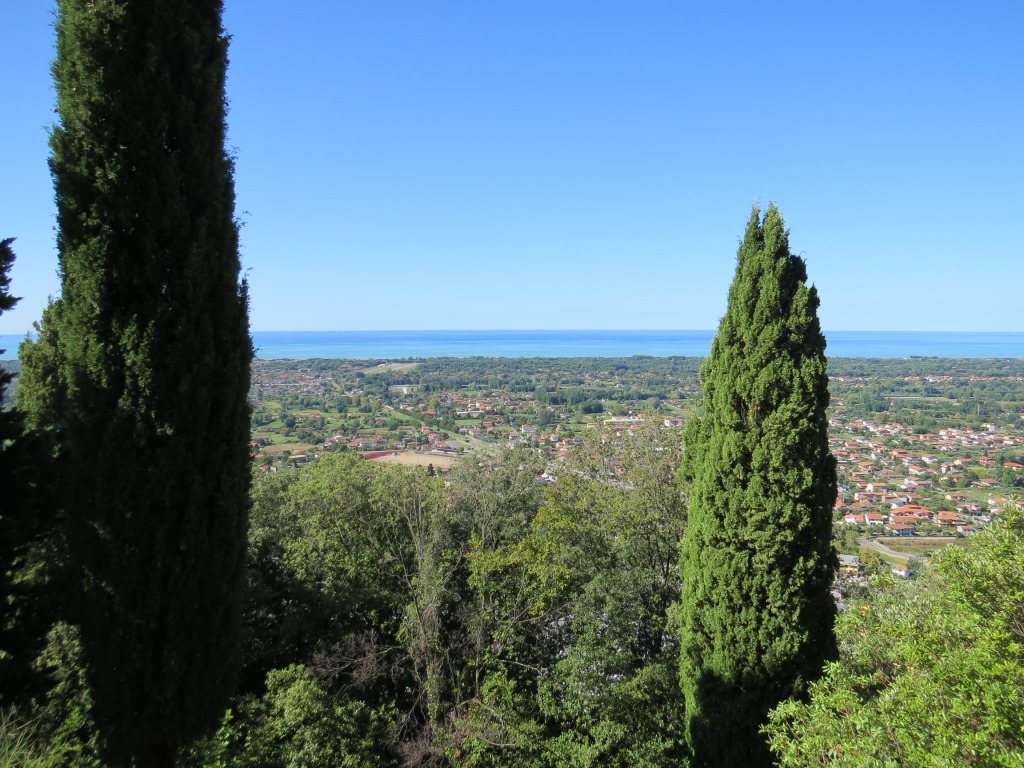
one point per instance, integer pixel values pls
(932, 670)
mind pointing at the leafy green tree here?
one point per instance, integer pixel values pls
(297, 723)
(63, 727)
(931, 671)
(757, 561)
(282, 619)
(577, 665)
(418, 540)
(612, 694)
(870, 557)
(144, 371)
(349, 578)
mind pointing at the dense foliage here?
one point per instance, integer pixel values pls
(931, 672)
(397, 619)
(27, 560)
(757, 560)
(141, 370)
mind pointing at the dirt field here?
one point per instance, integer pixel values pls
(413, 459)
(274, 450)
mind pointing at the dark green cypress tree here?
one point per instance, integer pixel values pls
(151, 357)
(6, 302)
(757, 559)
(9, 430)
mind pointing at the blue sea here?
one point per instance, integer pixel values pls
(401, 344)
(272, 345)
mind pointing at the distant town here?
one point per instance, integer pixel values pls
(926, 447)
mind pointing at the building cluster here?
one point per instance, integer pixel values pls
(897, 483)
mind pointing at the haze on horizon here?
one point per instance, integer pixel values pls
(589, 166)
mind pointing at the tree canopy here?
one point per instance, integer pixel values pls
(931, 671)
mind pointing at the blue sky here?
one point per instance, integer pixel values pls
(458, 165)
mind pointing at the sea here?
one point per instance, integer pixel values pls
(397, 345)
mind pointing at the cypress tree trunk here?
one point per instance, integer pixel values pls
(757, 560)
(151, 363)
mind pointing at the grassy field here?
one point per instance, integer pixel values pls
(397, 367)
(891, 561)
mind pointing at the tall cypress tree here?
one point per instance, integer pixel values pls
(151, 360)
(757, 559)
(9, 430)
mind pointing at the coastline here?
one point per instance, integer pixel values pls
(398, 345)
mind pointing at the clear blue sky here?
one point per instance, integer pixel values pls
(453, 165)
